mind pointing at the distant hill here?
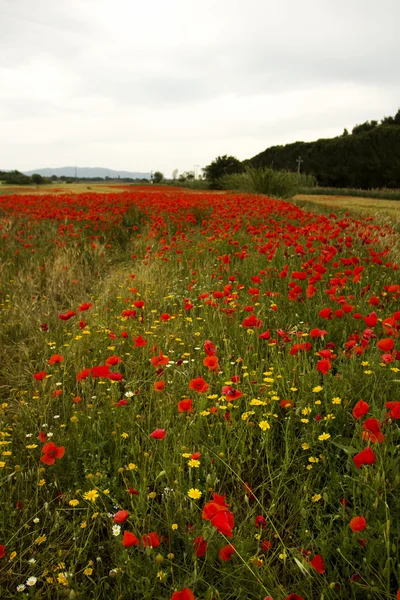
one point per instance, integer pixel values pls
(89, 172)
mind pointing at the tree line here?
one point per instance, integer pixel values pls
(368, 157)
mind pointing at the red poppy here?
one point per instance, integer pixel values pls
(115, 376)
(139, 342)
(314, 333)
(394, 408)
(265, 336)
(100, 371)
(138, 303)
(215, 505)
(209, 348)
(39, 376)
(260, 521)
(66, 316)
(159, 386)
(266, 545)
(111, 361)
(56, 358)
(160, 360)
(158, 434)
(231, 393)
(365, 457)
(198, 385)
(318, 564)
(130, 539)
(360, 409)
(151, 540)
(121, 516)
(294, 597)
(185, 405)
(85, 306)
(51, 452)
(223, 520)
(211, 362)
(200, 546)
(372, 431)
(42, 436)
(324, 366)
(185, 594)
(2, 550)
(358, 524)
(83, 374)
(386, 345)
(226, 552)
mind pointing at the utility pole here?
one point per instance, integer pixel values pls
(299, 161)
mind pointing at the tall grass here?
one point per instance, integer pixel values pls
(381, 194)
(281, 184)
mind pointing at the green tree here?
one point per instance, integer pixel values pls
(158, 177)
(221, 166)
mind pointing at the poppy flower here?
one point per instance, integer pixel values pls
(372, 431)
(122, 402)
(314, 333)
(260, 521)
(83, 374)
(185, 405)
(111, 361)
(227, 552)
(211, 362)
(40, 375)
(223, 520)
(66, 316)
(51, 452)
(318, 564)
(200, 546)
(209, 348)
(130, 539)
(158, 434)
(358, 524)
(42, 436)
(138, 303)
(324, 366)
(386, 345)
(394, 408)
(265, 336)
(213, 507)
(360, 409)
(139, 342)
(198, 385)
(2, 550)
(85, 306)
(294, 597)
(100, 371)
(160, 360)
(121, 516)
(231, 393)
(159, 386)
(185, 594)
(365, 457)
(266, 545)
(151, 540)
(56, 358)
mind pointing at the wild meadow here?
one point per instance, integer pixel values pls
(199, 398)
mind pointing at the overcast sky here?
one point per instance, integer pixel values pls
(167, 84)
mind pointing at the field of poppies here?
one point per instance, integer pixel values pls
(199, 399)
